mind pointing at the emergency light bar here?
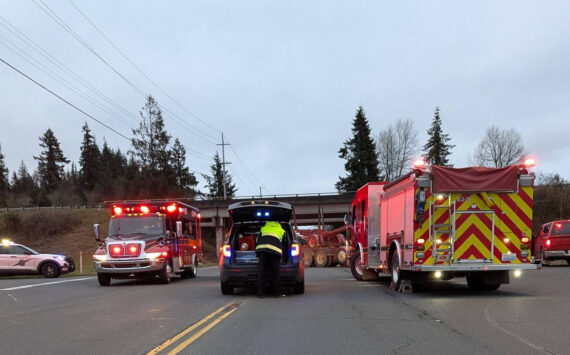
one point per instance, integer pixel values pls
(169, 208)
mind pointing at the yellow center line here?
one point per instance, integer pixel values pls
(188, 330)
(183, 345)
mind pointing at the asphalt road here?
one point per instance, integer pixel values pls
(336, 315)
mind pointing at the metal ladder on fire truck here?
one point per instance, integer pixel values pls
(442, 250)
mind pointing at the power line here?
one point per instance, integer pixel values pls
(64, 100)
(138, 68)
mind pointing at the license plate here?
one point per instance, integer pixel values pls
(509, 257)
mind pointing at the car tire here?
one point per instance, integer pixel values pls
(104, 279)
(396, 273)
(321, 258)
(165, 275)
(299, 288)
(50, 270)
(226, 288)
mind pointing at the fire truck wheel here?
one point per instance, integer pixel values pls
(165, 275)
(341, 256)
(321, 258)
(104, 279)
(193, 272)
(355, 266)
(50, 270)
(226, 289)
(396, 278)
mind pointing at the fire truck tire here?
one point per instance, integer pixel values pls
(104, 279)
(299, 288)
(165, 275)
(359, 272)
(341, 256)
(226, 289)
(396, 278)
(50, 270)
(193, 272)
(308, 257)
(321, 258)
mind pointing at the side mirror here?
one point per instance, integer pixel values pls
(179, 229)
(97, 235)
(167, 234)
(347, 219)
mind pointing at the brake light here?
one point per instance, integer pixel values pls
(116, 250)
(295, 249)
(548, 242)
(227, 251)
(133, 249)
(171, 208)
(145, 209)
(117, 210)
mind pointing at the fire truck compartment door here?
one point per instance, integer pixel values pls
(474, 234)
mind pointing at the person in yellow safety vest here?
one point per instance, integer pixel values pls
(269, 249)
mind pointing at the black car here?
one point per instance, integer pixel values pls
(238, 262)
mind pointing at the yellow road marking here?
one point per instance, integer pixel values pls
(183, 345)
(188, 330)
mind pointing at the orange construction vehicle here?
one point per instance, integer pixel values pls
(440, 223)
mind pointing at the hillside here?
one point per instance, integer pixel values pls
(68, 232)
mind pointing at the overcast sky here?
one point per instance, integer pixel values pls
(283, 79)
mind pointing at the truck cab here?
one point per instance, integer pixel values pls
(552, 242)
(149, 239)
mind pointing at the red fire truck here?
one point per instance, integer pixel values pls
(440, 223)
(149, 239)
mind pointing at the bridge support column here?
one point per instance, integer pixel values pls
(219, 232)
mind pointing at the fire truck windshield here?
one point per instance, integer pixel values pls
(136, 225)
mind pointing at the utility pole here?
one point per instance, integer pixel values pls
(224, 163)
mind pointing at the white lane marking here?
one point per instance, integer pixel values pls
(45, 284)
(12, 297)
(495, 324)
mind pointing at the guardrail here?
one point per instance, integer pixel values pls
(40, 208)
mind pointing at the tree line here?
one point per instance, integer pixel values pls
(154, 167)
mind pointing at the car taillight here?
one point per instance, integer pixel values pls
(116, 250)
(227, 251)
(548, 242)
(133, 249)
(295, 249)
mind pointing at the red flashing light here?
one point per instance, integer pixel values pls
(199, 216)
(558, 225)
(133, 249)
(116, 250)
(165, 253)
(295, 249)
(548, 242)
(529, 162)
(227, 251)
(117, 210)
(171, 208)
(420, 163)
(145, 209)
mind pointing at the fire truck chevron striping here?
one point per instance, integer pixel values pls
(442, 223)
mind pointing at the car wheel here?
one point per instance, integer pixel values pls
(299, 288)
(321, 258)
(396, 279)
(104, 279)
(165, 275)
(226, 289)
(50, 270)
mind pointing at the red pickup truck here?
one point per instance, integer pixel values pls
(552, 242)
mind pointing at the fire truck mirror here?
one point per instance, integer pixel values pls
(167, 234)
(97, 235)
(347, 218)
(179, 229)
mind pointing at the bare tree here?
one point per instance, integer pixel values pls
(499, 148)
(396, 148)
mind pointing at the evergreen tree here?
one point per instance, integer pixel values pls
(22, 181)
(360, 155)
(4, 183)
(150, 149)
(184, 178)
(50, 162)
(215, 183)
(89, 160)
(437, 149)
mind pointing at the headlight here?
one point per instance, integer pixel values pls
(100, 257)
(59, 257)
(153, 255)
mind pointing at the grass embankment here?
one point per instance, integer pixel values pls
(68, 232)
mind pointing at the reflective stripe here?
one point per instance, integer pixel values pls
(269, 246)
(272, 234)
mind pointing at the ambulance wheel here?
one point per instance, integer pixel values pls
(50, 270)
(396, 279)
(355, 267)
(226, 289)
(321, 258)
(104, 279)
(299, 288)
(165, 275)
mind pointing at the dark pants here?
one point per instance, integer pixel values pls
(268, 263)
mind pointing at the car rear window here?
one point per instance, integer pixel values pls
(561, 228)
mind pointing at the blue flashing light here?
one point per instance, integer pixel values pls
(258, 214)
(266, 213)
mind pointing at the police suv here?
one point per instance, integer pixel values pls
(238, 261)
